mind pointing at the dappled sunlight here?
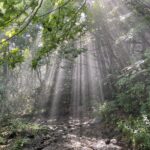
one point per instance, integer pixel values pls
(74, 74)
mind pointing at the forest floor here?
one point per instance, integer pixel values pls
(48, 135)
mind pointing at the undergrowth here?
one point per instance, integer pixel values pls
(129, 110)
(16, 133)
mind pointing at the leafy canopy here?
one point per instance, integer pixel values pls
(58, 20)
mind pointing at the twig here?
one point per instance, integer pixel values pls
(27, 22)
(55, 9)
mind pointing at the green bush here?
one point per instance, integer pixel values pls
(19, 143)
(137, 131)
(129, 111)
(19, 131)
(2, 140)
(105, 110)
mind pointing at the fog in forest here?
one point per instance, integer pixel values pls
(98, 78)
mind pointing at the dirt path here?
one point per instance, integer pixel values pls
(72, 136)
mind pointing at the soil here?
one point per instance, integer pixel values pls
(72, 135)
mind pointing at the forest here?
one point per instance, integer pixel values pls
(74, 74)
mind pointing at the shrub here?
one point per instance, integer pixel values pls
(129, 110)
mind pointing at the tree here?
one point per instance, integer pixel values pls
(58, 20)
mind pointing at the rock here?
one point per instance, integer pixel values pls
(86, 148)
(113, 141)
(60, 137)
(98, 145)
(60, 131)
(72, 136)
(113, 147)
(39, 148)
(107, 141)
(96, 121)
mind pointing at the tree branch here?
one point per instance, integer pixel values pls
(17, 16)
(55, 9)
(24, 26)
